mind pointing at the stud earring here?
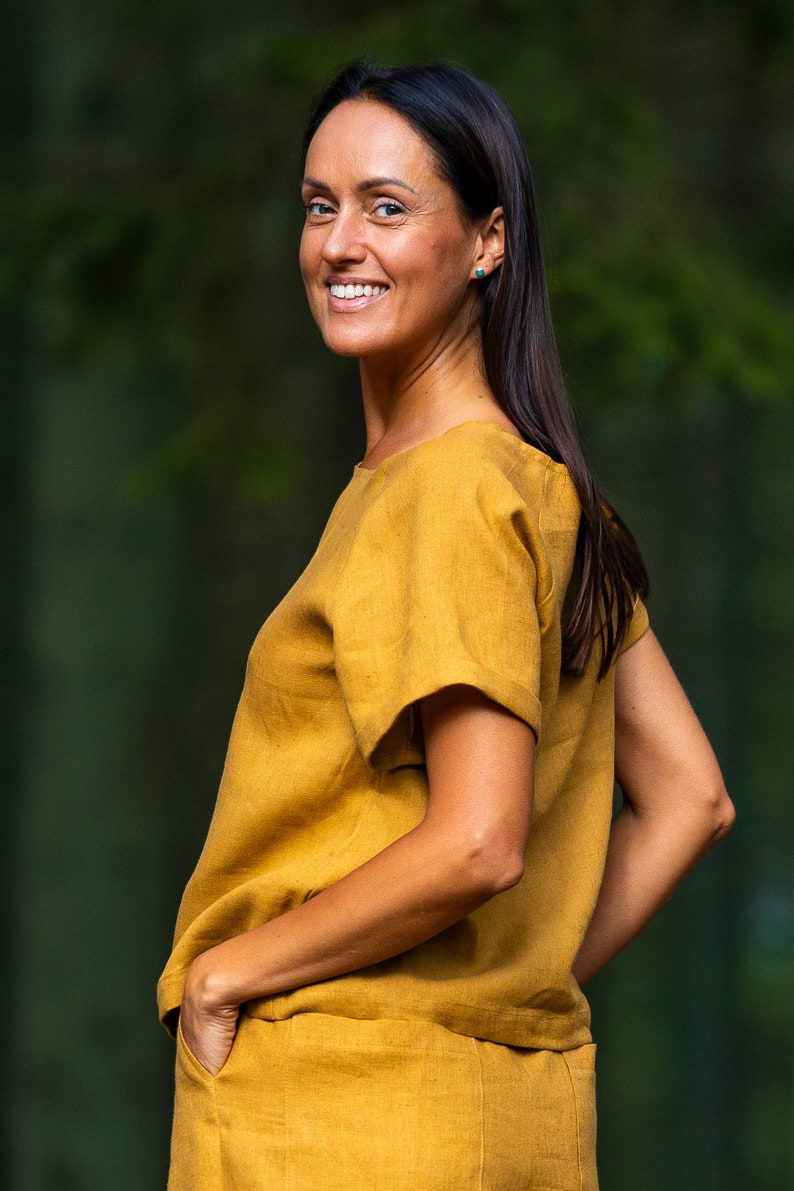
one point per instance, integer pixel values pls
(479, 272)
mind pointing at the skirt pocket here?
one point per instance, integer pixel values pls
(195, 1142)
(191, 1063)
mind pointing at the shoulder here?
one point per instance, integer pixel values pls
(476, 502)
(479, 469)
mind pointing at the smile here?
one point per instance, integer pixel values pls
(358, 291)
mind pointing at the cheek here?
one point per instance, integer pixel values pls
(307, 263)
(447, 277)
(308, 258)
(452, 253)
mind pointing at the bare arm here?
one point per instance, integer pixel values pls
(469, 847)
(675, 805)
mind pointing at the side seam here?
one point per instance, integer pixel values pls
(481, 1172)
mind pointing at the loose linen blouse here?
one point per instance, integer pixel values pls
(448, 563)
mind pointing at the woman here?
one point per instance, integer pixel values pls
(411, 868)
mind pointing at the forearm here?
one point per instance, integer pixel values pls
(647, 858)
(469, 846)
(675, 803)
(401, 897)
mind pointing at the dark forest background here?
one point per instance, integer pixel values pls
(173, 437)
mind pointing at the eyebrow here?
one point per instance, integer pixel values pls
(367, 184)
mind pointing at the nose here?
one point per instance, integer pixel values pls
(344, 242)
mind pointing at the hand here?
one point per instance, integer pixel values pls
(207, 1021)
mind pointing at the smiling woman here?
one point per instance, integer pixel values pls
(411, 868)
(380, 218)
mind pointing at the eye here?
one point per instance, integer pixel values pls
(318, 209)
(388, 209)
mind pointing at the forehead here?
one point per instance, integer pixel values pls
(367, 137)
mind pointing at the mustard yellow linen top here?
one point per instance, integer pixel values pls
(448, 563)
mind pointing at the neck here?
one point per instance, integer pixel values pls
(408, 402)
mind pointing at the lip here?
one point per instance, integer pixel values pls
(352, 279)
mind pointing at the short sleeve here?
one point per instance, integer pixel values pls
(638, 625)
(440, 587)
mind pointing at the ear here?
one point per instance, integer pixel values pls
(490, 246)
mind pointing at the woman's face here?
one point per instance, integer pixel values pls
(386, 257)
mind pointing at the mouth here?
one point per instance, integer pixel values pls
(354, 295)
(357, 291)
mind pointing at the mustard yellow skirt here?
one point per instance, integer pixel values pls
(319, 1103)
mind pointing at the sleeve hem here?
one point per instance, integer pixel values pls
(638, 627)
(373, 735)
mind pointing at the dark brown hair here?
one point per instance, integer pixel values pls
(480, 152)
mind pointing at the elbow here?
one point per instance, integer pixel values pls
(722, 812)
(505, 875)
(697, 812)
(492, 865)
(714, 811)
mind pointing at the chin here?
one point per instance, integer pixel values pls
(350, 345)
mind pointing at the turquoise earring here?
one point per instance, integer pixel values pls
(479, 272)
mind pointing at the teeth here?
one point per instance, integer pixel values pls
(358, 291)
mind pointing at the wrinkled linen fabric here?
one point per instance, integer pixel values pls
(446, 564)
(326, 1103)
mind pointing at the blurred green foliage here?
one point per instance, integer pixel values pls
(189, 260)
(149, 222)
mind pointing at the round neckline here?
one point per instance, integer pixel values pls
(359, 468)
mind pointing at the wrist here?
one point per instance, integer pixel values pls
(207, 986)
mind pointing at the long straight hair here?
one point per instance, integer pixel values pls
(480, 152)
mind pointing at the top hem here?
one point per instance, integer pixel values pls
(528, 1029)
